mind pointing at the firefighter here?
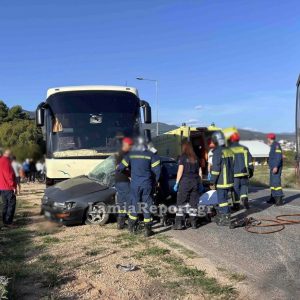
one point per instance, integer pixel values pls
(275, 165)
(222, 177)
(123, 183)
(187, 185)
(243, 170)
(145, 172)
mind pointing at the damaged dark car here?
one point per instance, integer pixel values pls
(85, 199)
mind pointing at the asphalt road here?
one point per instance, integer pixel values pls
(270, 262)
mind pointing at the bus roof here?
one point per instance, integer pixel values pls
(52, 91)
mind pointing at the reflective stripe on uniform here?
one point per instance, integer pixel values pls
(215, 173)
(122, 211)
(224, 204)
(276, 188)
(244, 196)
(147, 220)
(140, 156)
(278, 151)
(229, 185)
(227, 153)
(155, 164)
(132, 217)
(125, 163)
(224, 175)
(237, 150)
(240, 174)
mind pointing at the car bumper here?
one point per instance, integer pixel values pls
(65, 217)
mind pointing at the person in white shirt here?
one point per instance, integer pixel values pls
(17, 167)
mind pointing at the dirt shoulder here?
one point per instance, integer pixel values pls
(45, 261)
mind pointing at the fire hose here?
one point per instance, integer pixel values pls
(253, 225)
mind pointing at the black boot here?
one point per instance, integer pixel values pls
(121, 222)
(178, 223)
(193, 221)
(236, 207)
(271, 200)
(132, 226)
(148, 230)
(245, 202)
(223, 220)
(279, 201)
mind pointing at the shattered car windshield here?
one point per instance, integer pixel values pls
(104, 172)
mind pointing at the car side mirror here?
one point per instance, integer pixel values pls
(40, 115)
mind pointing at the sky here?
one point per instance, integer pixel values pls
(234, 63)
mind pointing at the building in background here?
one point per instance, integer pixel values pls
(258, 149)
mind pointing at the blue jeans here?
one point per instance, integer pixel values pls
(9, 206)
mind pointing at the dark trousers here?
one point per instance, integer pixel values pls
(123, 197)
(240, 188)
(9, 206)
(275, 183)
(188, 193)
(223, 207)
(140, 201)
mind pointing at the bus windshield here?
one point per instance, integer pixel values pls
(90, 123)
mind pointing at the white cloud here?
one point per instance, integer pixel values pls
(199, 107)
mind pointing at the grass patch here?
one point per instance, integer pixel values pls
(173, 261)
(152, 272)
(93, 252)
(193, 277)
(238, 277)
(168, 241)
(50, 240)
(152, 251)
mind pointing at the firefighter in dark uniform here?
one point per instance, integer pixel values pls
(145, 172)
(187, 185)
(275, 165)
(123, 183)
(243, 170)
(222, 177)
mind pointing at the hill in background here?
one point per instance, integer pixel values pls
(245, 134)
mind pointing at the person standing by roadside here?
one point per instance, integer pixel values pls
(17, 167)
(275, 165)
(7, 188)
(222, 177)
(243, 170)
(123, 183)
(26, 169)
(187, 185)
(32, 171)
(210, 154)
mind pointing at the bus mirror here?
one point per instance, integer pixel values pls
(146, 111)
(40, 115)
(147, 134)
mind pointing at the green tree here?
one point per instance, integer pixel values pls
(25, 139)
(3, 111)
(17, 113)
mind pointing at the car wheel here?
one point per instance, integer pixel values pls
(97, 214)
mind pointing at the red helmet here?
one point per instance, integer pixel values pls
(271, 136)
(235, 137)
(128, 140)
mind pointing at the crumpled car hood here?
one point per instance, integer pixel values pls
(73, 188)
